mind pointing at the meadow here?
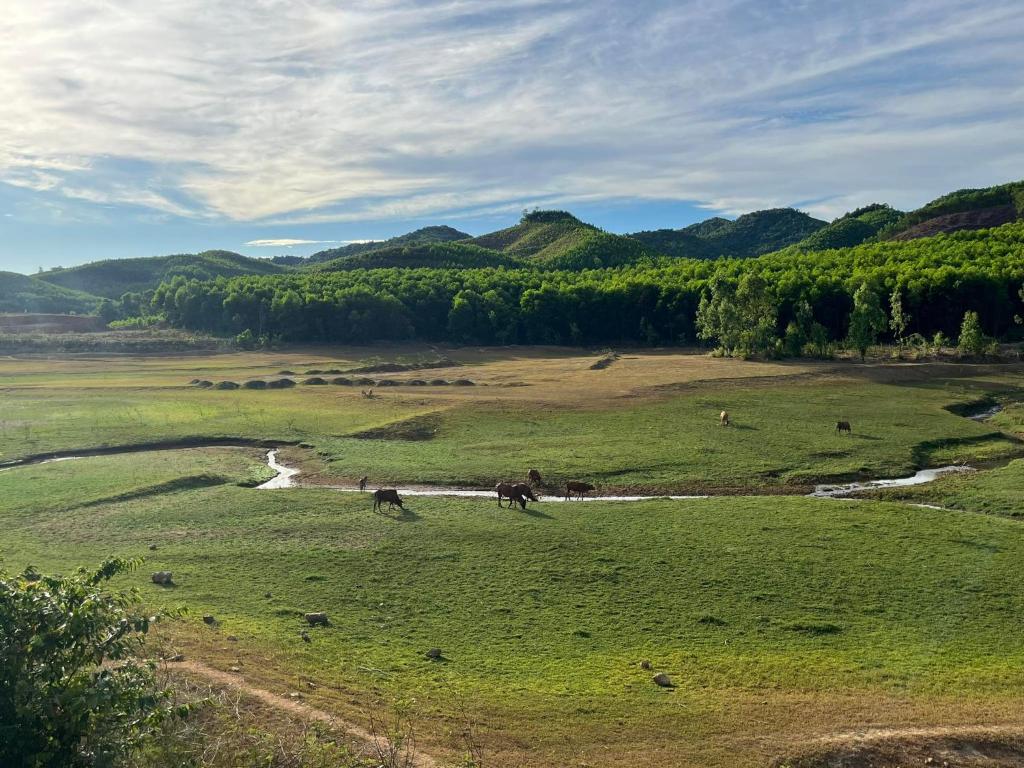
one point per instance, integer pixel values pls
(779, 619)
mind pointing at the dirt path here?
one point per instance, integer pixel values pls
(291, 706)
(869, 735)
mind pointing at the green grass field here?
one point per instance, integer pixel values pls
(547, 614)
(779, 618)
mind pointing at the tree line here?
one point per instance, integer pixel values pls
(787, 302)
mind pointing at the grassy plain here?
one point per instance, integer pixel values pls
(780, 619)
(647, 423)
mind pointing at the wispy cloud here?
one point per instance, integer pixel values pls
(377, 109)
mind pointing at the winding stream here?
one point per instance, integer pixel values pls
(286, 479)
(285, 476)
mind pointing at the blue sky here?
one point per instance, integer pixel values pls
(131, 128)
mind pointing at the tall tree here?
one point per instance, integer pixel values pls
(866, 321)
(899, 319)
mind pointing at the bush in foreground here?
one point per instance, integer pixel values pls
(71, 690)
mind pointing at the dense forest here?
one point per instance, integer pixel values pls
(797, 299)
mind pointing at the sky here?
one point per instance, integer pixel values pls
(134, 128)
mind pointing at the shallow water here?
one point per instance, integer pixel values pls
(285, 477)
(918, 478)
(286, 480)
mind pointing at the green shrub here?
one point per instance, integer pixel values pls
(71, 690)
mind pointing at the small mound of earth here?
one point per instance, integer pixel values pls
(977, 750)
(417, 428)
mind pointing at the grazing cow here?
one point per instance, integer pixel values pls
(534, 477)
(510, 491)
(723, 418)
(844, 426)
(578, 488)
(362, 482)
(390, 495)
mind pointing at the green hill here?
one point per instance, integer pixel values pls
(558, 240)
(453, 255)
(113, 277)
(964, 209)
(437, 234)
(678, 243)
(21, 293)
(752, 234)
(852, 229)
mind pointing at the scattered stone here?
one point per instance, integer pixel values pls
(209, 620)
(232, 639)
(152, 547)
(267, 595)
(663, 680)
(319, 618)
(311, 684)
(235, 669)
(434, 654)
(176, 657)
(294, 695)
(646, 664)
(162, 577)
(305, 636)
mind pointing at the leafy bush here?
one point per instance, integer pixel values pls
(71, 690)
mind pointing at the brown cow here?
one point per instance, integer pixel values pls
(362, 482)
(510, 492)
(578, 488)
(723, 418)
(534, 477)
(844, 426)
(390, 495)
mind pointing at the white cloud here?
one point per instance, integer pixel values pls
(306, 111)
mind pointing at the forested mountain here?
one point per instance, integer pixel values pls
(853, 228)
(437, 234)
(21, 293)
(114, 277)
(752, 234)
(453, 255)
(558, 240)
(963, 209)
(795, 293)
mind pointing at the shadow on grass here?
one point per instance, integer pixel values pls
(404, 515)
(537, 513)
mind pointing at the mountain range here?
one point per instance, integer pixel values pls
(541, 239)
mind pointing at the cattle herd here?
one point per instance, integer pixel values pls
(520, 493)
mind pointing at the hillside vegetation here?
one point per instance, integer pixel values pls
(939, 279)
(963, 209)
(558, 240)
(752, 234)
(114, 277)
(449, 255)
(437, 234)
(21, 293)
(852, 229)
